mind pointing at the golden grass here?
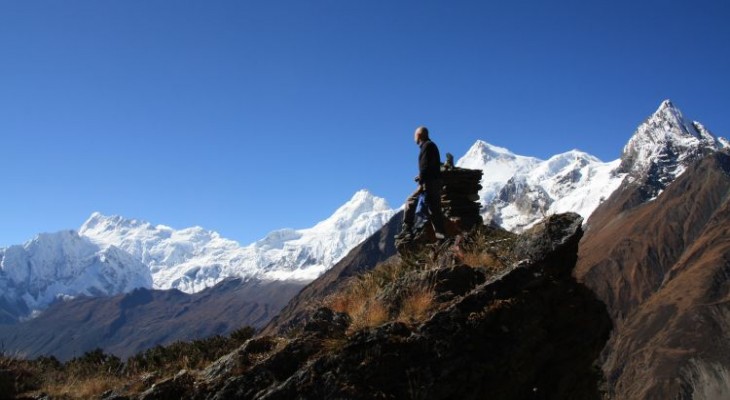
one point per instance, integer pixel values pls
(416, 306)
(374, 313)
(481, 259)
(84, 388)
(362, 297)
(360, 300)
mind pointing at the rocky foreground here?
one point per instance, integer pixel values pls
(493, 316)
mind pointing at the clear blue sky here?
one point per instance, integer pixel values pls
(248, 116)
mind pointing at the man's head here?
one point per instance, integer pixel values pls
(421, 134)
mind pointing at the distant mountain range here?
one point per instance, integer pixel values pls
(518, 191)
(110, 255)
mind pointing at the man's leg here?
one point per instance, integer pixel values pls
(409, 215)
(433, 199)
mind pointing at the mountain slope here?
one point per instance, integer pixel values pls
(128, 323)
(506, 331)
(377, 248)
(668, 291)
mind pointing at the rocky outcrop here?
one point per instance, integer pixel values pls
(530, 331)
(663, 269)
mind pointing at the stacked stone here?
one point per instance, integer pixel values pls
(460, 196)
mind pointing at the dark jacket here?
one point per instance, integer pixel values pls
(429, 162)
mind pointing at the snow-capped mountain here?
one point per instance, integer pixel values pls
(66, 264)
(499, 166)
(305, 254)
(111, 255)
(518, 191)
(664, 145)
(192, 259)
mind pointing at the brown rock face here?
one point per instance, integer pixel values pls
(529, 331)
(662, 268)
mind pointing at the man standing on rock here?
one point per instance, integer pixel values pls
(429, 182)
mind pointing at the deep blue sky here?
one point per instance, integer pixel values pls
(248, 116)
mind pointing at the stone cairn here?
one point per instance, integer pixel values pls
(460, 195)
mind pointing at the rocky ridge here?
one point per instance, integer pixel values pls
(523, 330)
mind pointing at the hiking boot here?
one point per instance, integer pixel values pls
(405, 233)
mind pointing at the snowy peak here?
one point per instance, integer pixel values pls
(99, 222)
(517, 191)
(306, 253)
(484, 152)
(62, 264)
(664, 145)
(362, 203)
(112, 254)
(666, 133)
(498, 164)
(572, 181)
(561, 164)
(156, 246)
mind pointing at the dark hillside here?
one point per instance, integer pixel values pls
(127, 324)
(662, 267)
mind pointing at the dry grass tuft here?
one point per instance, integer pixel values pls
(362, 297)
(484, 260)
(487, 249)
(413, 299)
(416, 306)
(373, 314)
(84, 388)
(360, 302)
